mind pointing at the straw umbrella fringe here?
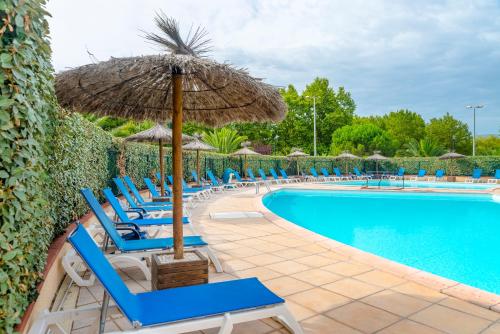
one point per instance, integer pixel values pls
(297, 154)
(177, 85)
(347, 156)
(244, 152)
(197, 145)
(376, 156)
(162, 135)
(451, 156)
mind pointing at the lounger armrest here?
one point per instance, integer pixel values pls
(131, 230)
(135, 226)
(142, 210)
(140, 213)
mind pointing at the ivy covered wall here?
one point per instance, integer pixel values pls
(26, 105)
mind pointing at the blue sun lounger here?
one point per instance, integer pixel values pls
(140, 243)
(216, 185)
(439, 175)
(285, 176)
(185, 187)
(175, 310)
(138, 197)
(276, 177)
(263, 176)
(327, 175)
(314, 175)
(476, 176)
(240, 181)
(339, 175)
(142, 219)
(155, 194)
(421, 174)
(399, 175)
(361, 176)
(496, 178)
(134, 205)
(187, 195)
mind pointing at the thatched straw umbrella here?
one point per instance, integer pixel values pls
(244, 152)
(176, 85)
(376, 156)
(160, 134)
(197, 145)
(297, 153)
(451, 156)
(346, 155)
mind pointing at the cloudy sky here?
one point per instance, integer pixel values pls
(430, 56)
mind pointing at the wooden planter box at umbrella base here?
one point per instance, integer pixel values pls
(451, 178)
(169, 273)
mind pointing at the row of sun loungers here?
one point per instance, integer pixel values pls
(133, 232)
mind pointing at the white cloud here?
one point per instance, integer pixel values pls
(430, 56)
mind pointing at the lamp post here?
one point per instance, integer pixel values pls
(474, 127)
(314, 120)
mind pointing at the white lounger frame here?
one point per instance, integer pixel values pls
(72, 263)
(50, 320)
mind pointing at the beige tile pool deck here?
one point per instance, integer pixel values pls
(329, 287)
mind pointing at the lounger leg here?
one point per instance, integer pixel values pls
(49, 320)
(104, 311)
(227, 325)
(289, 320)
(214, 259)
(133, 261)
(70, 263)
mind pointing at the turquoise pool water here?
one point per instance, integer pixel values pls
(419, 184)
(456, 236)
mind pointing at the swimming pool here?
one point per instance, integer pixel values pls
(452, 235)
(418, 184)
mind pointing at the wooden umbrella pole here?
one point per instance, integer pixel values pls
(177, 161)
(245, 165)
(198, 166)
(162, 169)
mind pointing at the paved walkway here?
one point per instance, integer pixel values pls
(327, 289)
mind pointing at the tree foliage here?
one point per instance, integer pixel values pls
(334, 109)
(451, 133)
(488, 145)
(225, 140)
(423, 148)
(362, 139)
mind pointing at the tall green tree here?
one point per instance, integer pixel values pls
(404, 125)
(334, 109)
(488, 145)
(451, 133)
(362, 139)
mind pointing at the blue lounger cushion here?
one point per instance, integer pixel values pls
(160, 243)
(176, 304)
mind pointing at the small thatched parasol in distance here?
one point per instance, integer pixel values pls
(180, 83)
(451, 156)
(346, 155)
(297, 153)
(160, 134)
(197, 145)
(244, 151)
(376, 156)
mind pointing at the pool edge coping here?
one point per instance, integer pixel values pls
(441, 284)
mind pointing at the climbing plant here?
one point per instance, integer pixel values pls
(26, 105)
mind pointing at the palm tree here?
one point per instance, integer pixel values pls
(224, 140)
(424, 148)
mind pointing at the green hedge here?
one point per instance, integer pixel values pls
(80, 158)
(26, 105)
